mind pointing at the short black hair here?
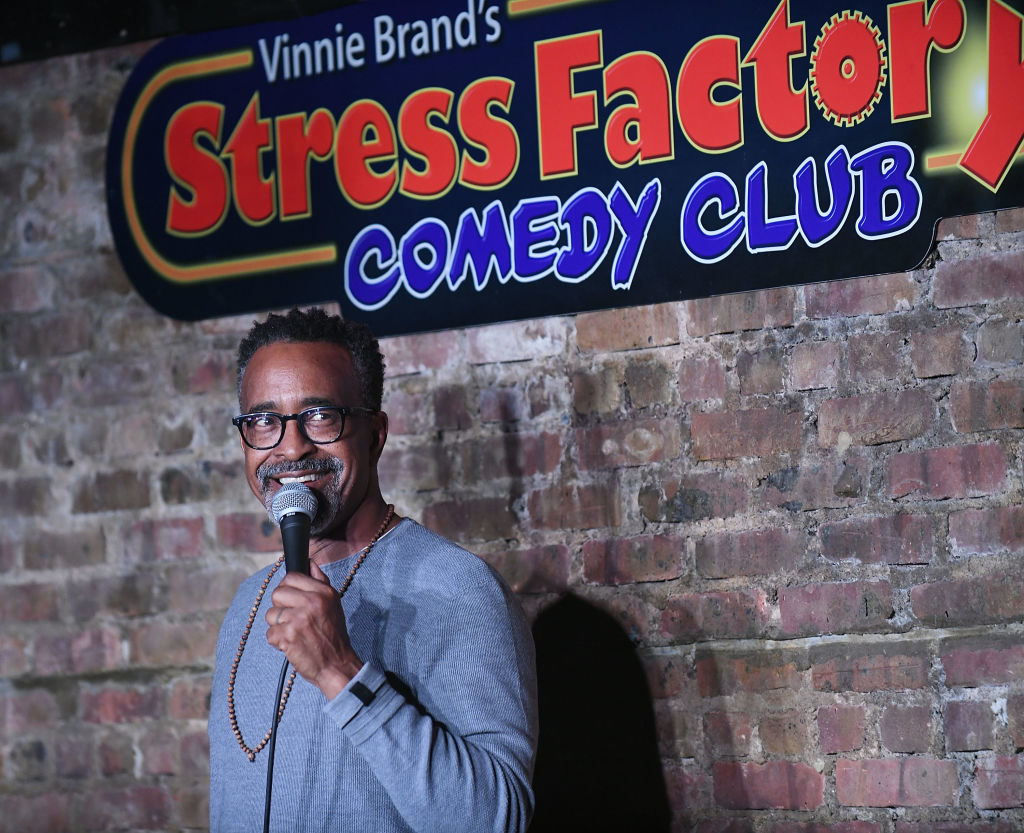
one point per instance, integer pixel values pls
(316, 325)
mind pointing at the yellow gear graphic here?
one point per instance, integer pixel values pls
(832, 51)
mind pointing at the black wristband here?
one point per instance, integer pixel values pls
(362, 692)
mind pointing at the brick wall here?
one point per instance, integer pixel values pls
(801, 507)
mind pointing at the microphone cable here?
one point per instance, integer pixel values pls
(271, 744)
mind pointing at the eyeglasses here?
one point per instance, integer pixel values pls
(323, 425)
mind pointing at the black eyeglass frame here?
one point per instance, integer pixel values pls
(239, 421)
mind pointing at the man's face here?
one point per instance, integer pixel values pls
(287, 378)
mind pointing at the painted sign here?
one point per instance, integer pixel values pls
(439, 164)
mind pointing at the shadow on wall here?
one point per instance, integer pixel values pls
(598, 767)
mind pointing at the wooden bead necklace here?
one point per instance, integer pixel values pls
(251, 753)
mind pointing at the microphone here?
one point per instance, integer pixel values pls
(294, 507)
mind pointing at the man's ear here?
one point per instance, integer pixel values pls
(378, 434)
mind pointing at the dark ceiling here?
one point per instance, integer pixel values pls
(32, 31)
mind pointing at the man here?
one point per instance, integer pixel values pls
(413, 705)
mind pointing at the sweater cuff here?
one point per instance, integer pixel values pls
(360, 692)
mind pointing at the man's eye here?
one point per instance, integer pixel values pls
(263, 421)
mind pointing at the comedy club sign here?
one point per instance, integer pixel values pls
(437, 164)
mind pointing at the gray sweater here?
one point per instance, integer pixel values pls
(446, 743)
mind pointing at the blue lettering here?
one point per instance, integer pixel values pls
(635, 222)
(534, 232)
(584, 216)
(885, 177)
(701, 244)
(365, 291)
(482, 247)
(764, 234)
(424, 256)
(818, 228)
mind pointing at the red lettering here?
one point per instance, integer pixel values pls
(431, 144)
(560, 111)
(642, 129)
(708, 125)
(848, 68)
(196, 170)
(365, 137)
(783, 111)
(298, 139)
(1001, 134)
(495, 136)
(912, 34)
(253, 193)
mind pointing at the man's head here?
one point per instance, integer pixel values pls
(318, 367)
(316, 325)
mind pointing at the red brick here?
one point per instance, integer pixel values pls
(203, 372)
(815, 365)
(143, 807)
(678, 731)
(159, 750)
(669, 676)
(979, 280)
(73, 758)
(110, 492)
(27, 496)
(847, 607)
(97, 649)
(875, 418)
(409, 412)
(827, 827)
(420, 353)
(694, 497)
(1015, 719)
(983, 662)
(966, 602)
(987, 531)
(572, 506)
(629, 560)
(725, 614)
(766, 308)
(897, 782)
(647, 383)
(598, 391)
(868, 668)
(53, 550)
(252, 532)
(898, 539)
(780, 785)
(451, 411)
(118, 704)
(628, 329)
(26, 289)
(875, 295)
(759, 372)
(938, 352)
(956, 472)
(48, 812)
(173, 539)
(189, 698)
(720, 673)
(727, 733)
(173, 644)
(956, 827)
(421, 468)
(517, 341)
(875, 357)
(116, 382)
(783, 734)
(809, 486)
(25, 710)
(514, 455)
(634, 443)
(196, 591)
(472, 519)
(756, 433)
(701, 379)
(116, 755)
(29, 603)
(987, 406)
(754, 552)
(195, 753)
(136, 593)
(999, 782)
(13, 656)
(688, 788)
(906, 728)
(968, 226)
(503, 404)
(534, 570)
(1000, 343)
(968, 725)
(840, 728)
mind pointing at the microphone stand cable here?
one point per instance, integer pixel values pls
(271, 744)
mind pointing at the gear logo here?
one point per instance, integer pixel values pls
(848, 68)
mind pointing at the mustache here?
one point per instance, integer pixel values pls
(317, 465)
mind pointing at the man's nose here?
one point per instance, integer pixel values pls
(294, 444)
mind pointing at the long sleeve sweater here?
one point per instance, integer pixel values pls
(447, 740)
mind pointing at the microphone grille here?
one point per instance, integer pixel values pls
(293, 497)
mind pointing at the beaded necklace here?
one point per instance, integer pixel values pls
(251, 753)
